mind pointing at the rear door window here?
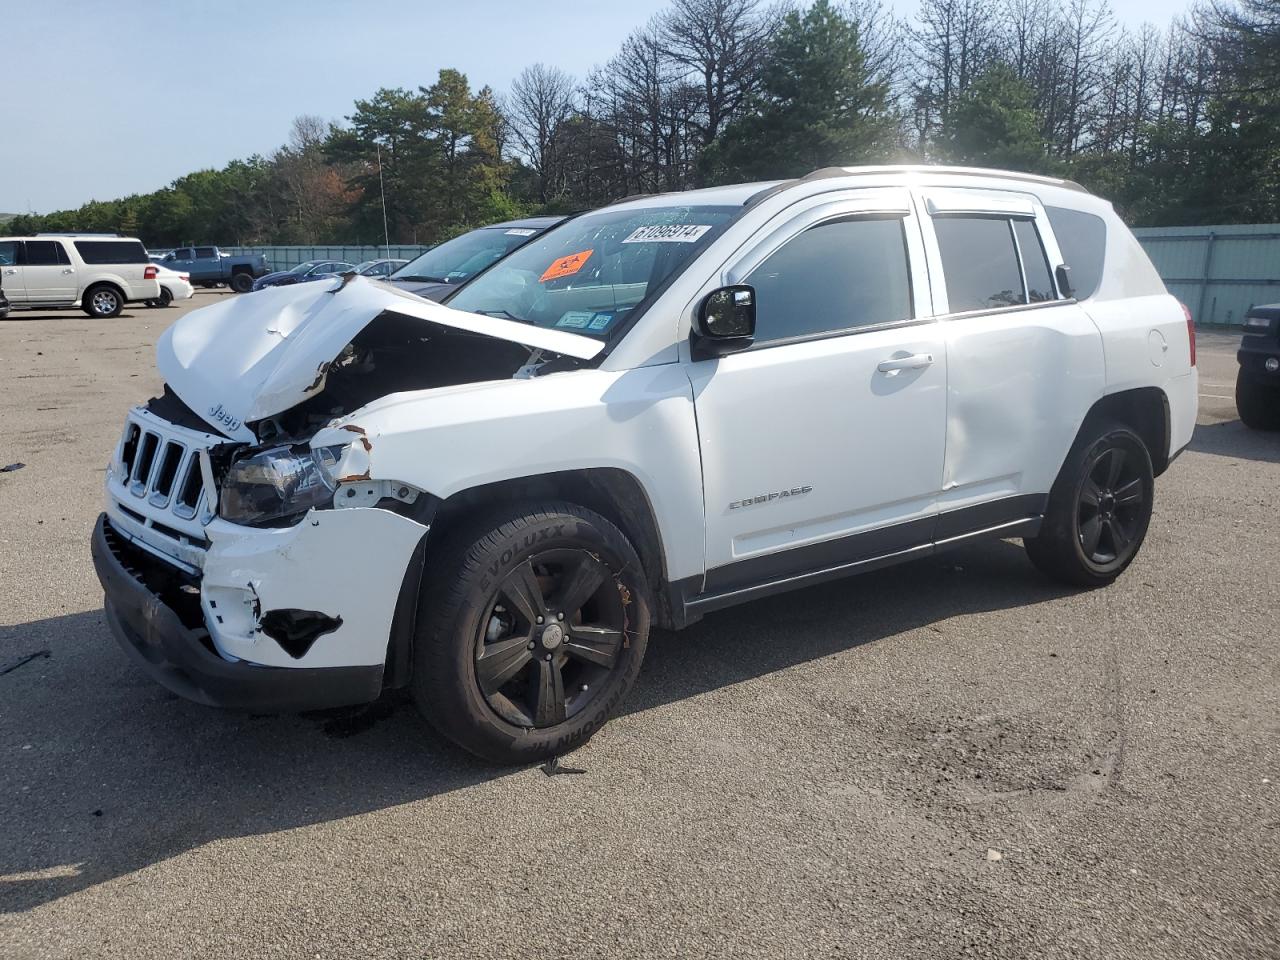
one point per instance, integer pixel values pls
(206, 253)
(979, 263)
(44, 253)
(8, 253)
(112, 251)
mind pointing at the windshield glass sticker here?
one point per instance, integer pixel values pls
(668, 233)
(577, 319)
(600, 321)
(521, 232)
(565, 266)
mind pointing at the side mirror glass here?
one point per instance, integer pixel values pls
(1063, 275)
(729, 312)
(726, 322)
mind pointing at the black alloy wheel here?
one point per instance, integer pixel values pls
(1111, 511)
(532, 625)
(550, 639)
(1098, 510)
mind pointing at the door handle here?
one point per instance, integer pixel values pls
(68, 270)
(913, 362)
(11, 270)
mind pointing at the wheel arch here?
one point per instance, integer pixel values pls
(612, 492)
(1145, 410)
(105, 282)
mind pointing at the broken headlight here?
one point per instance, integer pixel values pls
(279, 483)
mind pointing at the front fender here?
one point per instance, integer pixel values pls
(451, 439)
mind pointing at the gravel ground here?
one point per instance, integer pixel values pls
(945, 759)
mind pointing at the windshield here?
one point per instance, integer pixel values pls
(460, 259)
(306, 267)
(588, 274)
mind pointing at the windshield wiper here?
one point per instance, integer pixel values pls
(504, 315)
(423, 279)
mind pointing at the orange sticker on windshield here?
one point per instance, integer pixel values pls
(565, 266)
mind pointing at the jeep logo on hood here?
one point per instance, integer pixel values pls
(223, 418)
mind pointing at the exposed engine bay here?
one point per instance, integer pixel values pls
(393, 354)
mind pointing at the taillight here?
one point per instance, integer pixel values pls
(150, 273)
(1191, 331)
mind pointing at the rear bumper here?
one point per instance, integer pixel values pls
(175, 650)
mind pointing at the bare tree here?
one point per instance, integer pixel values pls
(719, 45)
(541, 100)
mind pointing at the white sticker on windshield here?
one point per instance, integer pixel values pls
(575, 319)
(668, 233)
(520, 232)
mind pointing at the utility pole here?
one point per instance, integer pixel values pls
(386, 235)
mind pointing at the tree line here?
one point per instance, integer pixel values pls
(1174, 125)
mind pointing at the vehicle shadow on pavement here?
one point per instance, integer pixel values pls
(1231, 438)
(106, 773)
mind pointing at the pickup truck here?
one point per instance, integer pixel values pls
(207, 266)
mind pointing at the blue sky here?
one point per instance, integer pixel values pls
(111, 98)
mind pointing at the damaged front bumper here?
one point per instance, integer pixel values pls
(286, 619)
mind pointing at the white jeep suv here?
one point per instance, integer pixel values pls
(97, 273)
(653, 411)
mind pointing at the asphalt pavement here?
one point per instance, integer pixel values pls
(951, 758)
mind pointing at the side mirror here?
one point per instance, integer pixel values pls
(1063, 276)
(170, 257)
(726, 322)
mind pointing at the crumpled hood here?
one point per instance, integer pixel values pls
(257, 354)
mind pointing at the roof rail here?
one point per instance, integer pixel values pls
(826, 173)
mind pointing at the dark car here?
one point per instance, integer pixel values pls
(303, 273)
(1258, 381)
(379, 269)
(440, 270)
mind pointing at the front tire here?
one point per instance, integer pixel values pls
(103, 303)
(1099, 509)
(532, 634)
(1257, 403)
(241, 282)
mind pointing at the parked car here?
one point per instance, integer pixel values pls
(99, 274)
(157, 256)
(442, 269)
(379, 269)
(1258, 379)
(209, 266)
(654, 411)
(303, 273)
(173, 286)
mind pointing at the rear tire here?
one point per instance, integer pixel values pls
(241, 282)
(1099, 509)
(103, 302)
(533, 632)
(1257, 403)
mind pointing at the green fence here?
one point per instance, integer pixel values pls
(282, 258)
(1218, 271)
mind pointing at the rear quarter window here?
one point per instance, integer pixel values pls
(111, 251)
(1082, 238)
